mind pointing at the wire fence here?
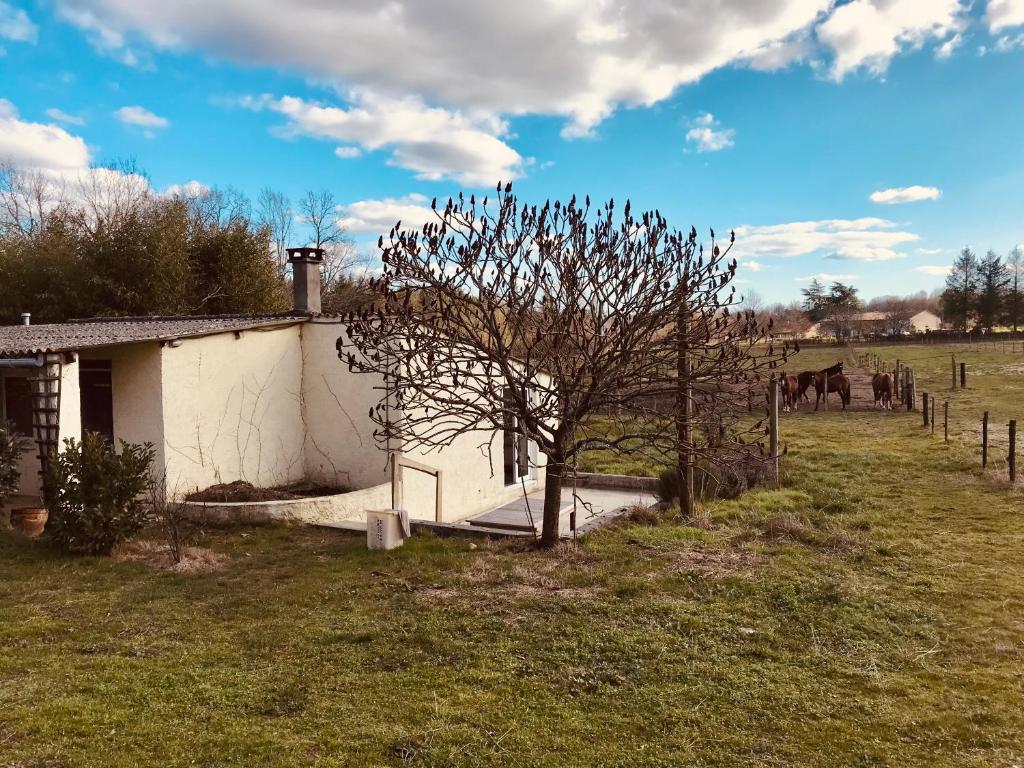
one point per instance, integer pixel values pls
(994, 441)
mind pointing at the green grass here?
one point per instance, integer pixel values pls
(995, 383)
(868, 613)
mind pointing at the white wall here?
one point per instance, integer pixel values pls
(135, 394)
(339, 447)
(340, 439)
(232, 409)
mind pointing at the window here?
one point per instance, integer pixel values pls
(17, 403)
(97, 397)
(518, 452)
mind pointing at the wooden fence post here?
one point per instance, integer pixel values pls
(896, 383)
(1012, 457)
(984, 440)
(934, 399)
(924, 402)
(945, 422)
(963, 375)
(952, 359)
(773, 426)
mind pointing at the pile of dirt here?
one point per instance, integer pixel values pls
(242, 492)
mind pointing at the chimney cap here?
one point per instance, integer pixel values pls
(307, 254)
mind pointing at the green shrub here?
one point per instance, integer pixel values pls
(727, 481)
(94, 494)
(11, 446)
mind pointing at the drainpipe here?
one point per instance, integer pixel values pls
(22, 362)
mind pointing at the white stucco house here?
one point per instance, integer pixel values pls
(925, 321)
(259, 398)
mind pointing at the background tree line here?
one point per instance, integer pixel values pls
(985, 292)
(838, 306)
(105, 244)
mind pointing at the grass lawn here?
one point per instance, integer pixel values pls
(871, 612)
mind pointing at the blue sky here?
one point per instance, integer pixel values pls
(867, 139)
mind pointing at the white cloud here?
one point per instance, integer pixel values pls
(16, 25)
(898, 195)
(377, 217)
(434, 143)
(141, 117)
(1007, 43)
(752, 265)
(867, 34)
(826, 277)
(188, 189)
(38, 145)
(706, 137)
(1000, 14)
(933, 269)
(945, 50)
(347, 153)
(63, 117)
(779, 54)
(928, 251)
(592, 56)
(866, 239)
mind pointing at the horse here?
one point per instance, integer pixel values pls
(881, 383)
(838, 383)
(806, 378)
(789, 385)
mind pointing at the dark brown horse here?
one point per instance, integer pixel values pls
(837, 383)
(805, 379)
(881, 383)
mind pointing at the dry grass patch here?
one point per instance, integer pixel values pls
(155, 555)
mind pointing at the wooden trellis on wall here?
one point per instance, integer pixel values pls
(46, 409)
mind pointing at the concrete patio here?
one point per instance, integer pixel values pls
(594, 507)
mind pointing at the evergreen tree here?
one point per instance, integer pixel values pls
(959, 300)
(992, 282)
(814, 299)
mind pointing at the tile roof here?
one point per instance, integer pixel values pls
(29, 340)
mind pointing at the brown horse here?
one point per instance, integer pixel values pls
(837, 383)
(881, 383)
(805, 379)
(789, 385)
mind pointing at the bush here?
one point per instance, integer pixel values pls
(11, 446)
(717, 482)
(94, 494)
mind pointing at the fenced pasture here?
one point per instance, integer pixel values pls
(994, 383)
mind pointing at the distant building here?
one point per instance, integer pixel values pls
(925, 321)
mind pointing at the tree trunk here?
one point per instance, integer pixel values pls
(553, 475)
(684, 435)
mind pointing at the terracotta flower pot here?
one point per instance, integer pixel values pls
(29, 521)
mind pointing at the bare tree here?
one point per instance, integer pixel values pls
(530, 320)
(276, 214)
(320, 212)
(1015, 289)
(28, 200)
(108, 196)
(898, 312)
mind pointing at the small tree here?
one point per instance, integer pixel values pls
(960, 297)
(531, 320)
(94, 495)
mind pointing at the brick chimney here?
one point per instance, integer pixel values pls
(306, 279)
